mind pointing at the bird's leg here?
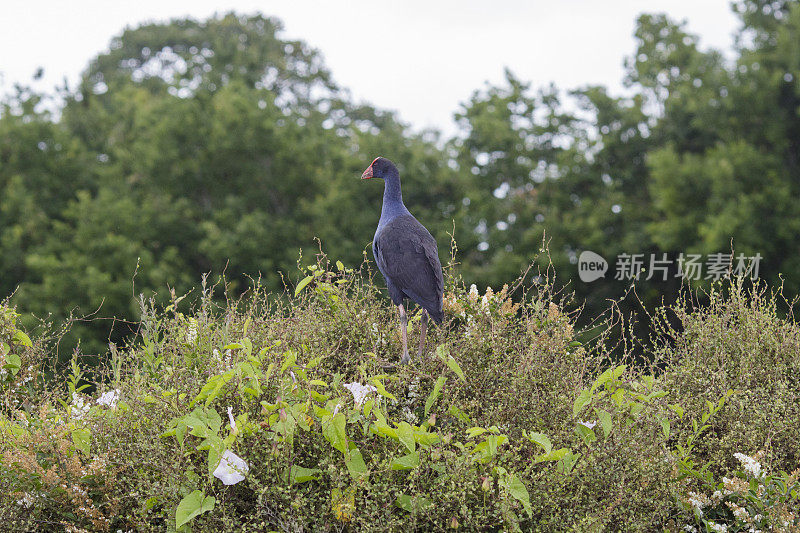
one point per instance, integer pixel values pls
(404, 330)
(423, 329)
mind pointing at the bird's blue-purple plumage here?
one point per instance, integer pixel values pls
(406, 252)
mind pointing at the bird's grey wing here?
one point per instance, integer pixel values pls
(411, 260)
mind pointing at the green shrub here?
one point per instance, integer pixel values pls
(508, 423)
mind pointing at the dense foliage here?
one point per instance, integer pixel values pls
(219, 146)
(508, 423)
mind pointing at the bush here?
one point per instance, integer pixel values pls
(508, 423)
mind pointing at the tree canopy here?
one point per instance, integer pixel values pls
(219, 146)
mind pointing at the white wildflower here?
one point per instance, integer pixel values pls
(473, 293)
(719, 528)
(231, 419)
(471, 328)
(698, 501)
(413, 388)
(410, 416)
(231, 468)
(716, 497)
(740, 513)
(78, 408)
(727, 482)
(26, 500)
(191, 332)
(109, 398)
(359, 391)
(690, 529)
(750, 465)
(336, 409)
(223, 358)
(589, 423)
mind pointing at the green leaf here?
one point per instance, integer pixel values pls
(434, 395)
(233, 346)
(180, 431)
(458, 413)
(13, 363)
(322, 398)
(81, 439)
(517, 490)
(368, 407)
(213, 420)
(567, 462)
(425, 438)
(474, 432)
(289, 359)
(193, 505)
(606, 421)
(301, 474)
(412, 504)
(541, 439)
(381, 389)
(664, 426)
(300, 286)
(333, 430)
(583, 399)
(602, 379)
(636, 408)
(381, 428)
(215, 447)
(21, 338)
(212, 389)
(453, 365)
(555, 455)
(406, 435)
(617, 397)
(586, 434)
(355, 464)
(678, 409)
(487, 449)
(406, 462)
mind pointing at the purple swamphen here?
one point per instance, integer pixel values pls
(406, 255)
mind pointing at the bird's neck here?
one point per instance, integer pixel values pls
(392, 199)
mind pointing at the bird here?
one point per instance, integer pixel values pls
(406, 255)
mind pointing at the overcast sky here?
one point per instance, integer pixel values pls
(421, 58)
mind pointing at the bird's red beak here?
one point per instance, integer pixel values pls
(367, 173)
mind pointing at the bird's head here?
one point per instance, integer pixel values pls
(380, 168)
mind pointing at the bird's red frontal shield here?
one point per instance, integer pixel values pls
(368, 173)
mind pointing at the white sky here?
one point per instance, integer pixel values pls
(421, 58)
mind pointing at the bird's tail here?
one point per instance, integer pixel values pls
(436, 314)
